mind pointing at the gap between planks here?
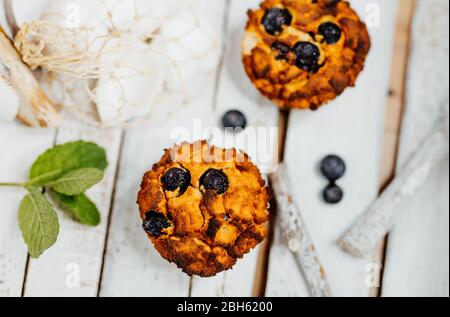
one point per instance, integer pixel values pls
(395, 110)
(111, 208)
(226, 21)
(262, 270)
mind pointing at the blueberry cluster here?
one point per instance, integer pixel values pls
(307, 54)
(333, 168)
(179, 179)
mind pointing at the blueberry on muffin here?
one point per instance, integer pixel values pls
(204, 207)
(302, 54)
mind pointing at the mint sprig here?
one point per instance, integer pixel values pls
(67, 171)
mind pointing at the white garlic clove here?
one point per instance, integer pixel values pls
(73, 14)
(192, 53)
(142, 18)
(88, 18)
(9, 102)
(130, 82)
(138, 17)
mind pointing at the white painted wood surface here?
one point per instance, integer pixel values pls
(351, 127)
(417, 261)
(17, 153)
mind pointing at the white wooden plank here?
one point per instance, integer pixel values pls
(72, 267)
(235, 91)
(350, 127)
(19, 147)
(132, 265)
(417, 262)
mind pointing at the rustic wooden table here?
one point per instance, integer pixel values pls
(115, 258)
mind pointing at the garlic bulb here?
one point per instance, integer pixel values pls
(9, 101)
(191, 51)
(128, 56)
(73, 14)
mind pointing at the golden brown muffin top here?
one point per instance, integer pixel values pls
(204, 207)
(304, 53)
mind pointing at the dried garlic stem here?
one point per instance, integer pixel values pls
(368, 231)
(10, 18)
(297, 236)
(36, 109)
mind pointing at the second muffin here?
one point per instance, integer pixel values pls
(304, 53)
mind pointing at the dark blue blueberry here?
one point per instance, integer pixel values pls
(333, 167)
(274, 20)
(155, 223)
(330, 32)
(234, 119)
(176, 178)
(215, 180)
(283, 50)
(333, 194)
(308, 56)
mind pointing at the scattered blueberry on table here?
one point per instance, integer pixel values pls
(333, 168)
(333, 194)
(234, 119)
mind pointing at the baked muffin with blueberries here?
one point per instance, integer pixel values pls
(303, 53)
(204, 207)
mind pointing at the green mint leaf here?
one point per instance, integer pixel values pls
(38, 222)
(77, 181)
(81, 207)
(67, 157)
